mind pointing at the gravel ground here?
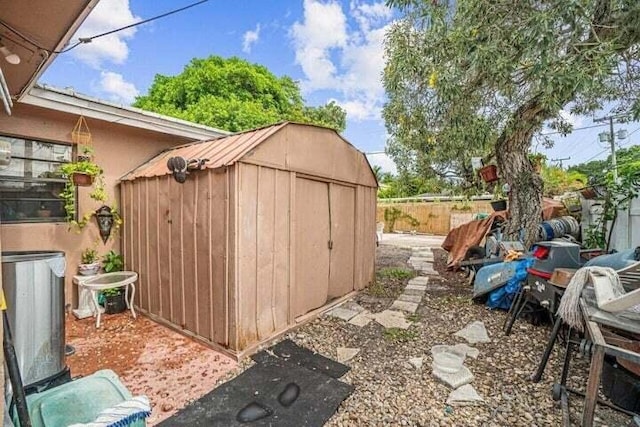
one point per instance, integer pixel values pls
(389, 391)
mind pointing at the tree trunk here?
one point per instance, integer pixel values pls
(525, 186)
(525, 190)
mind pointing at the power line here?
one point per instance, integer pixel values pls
(574, 129)
(84, 40)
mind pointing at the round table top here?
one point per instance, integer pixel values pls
(109, 280)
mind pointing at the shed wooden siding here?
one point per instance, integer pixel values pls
(232, 255)
(175, 238)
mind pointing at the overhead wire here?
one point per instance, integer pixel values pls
(85, 40)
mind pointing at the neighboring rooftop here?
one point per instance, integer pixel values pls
(69, 101)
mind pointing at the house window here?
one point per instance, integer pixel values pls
(31, 184)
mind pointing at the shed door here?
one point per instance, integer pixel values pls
(342, 213)
(312, 245)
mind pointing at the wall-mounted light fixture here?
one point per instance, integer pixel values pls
(9, 56)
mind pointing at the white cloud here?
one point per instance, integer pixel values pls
(348, 59)
(250, 38)
(572, 119)
(384, 161)
(117, 88)
(106, 16)
(324, 28)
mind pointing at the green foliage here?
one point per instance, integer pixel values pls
(392, 215)
(557, 181)
(112, 261)
(596, 170)
(397, 335)
(234, 95)
(395, 273)
(98, 192)
(112, 292)
(89, 256)
(481, 77)
(410, 184)
(618, 196)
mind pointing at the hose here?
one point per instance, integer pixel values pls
(14, 374)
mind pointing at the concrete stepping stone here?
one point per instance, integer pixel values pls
(362, 319)
(414, 292)
(409, 307)
(467, 350)
(416, 362)
(342, 313)
(344, 354)
(416, 288)
(464, 396)
(474, 332)
(454, 380)
(392, 319)
(417, 299)
(420, 280)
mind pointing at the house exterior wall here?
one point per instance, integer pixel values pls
(118, 149)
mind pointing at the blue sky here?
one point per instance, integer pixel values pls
(333, 48)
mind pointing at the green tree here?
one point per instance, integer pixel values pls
(472, 74)
(596, 170)
(558, 181)
(234, 95)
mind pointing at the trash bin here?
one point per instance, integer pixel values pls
(33, 285)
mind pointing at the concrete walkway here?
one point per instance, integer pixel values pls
(421, 260)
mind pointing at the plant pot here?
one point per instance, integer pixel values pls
(489, 173)
(499, 205)
(114, 304)
(82, 179)
(89, 269)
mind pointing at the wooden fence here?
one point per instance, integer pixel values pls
(432, 217)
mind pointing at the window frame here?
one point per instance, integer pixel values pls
(22, 179)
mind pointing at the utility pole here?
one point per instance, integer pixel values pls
(612, 141)
(560, 160)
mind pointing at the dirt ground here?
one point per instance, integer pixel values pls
(389, 391)
(150, 359)
(172, 369)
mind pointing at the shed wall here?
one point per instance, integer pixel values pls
(175, 237)
(283, 237)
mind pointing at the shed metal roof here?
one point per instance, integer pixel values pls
(220, 152)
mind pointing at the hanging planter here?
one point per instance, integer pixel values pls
(81, 136)
(489, 173)
(105, 219)
(82, 179)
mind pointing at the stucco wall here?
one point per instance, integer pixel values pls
(118, 149)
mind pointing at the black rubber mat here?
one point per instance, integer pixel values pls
(315, 398)
(291, 352)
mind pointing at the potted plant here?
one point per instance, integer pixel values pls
(114, 298)
(89, 265)
(112, 261)
(499, 202)
(537, 160)
(81, 173)
(489, 173)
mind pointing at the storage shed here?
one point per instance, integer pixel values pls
(277, 225)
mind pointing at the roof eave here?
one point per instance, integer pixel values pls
(59, 46)
(72, 103)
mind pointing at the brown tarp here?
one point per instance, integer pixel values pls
(461, 238)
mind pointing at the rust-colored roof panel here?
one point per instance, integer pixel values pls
(220, 152)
